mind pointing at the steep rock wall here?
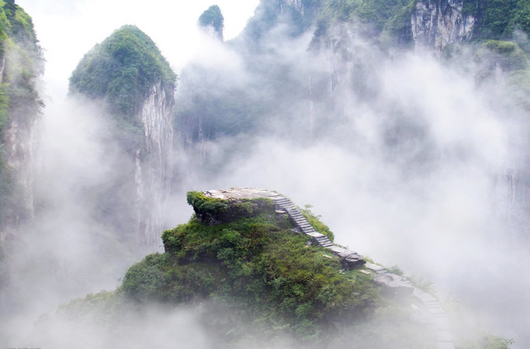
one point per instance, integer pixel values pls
(21, 65)
(22, 158)
(136, 85)
(437, 23)
(154, 164)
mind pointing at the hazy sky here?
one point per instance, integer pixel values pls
(67, 29)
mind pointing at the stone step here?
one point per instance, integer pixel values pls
(324, 241)
(303, 224)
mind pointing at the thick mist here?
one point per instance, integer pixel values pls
(404, 156)
(418, 174)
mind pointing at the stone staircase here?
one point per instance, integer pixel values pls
(348, 258)
(427, 309)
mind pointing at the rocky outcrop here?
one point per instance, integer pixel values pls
(214, 205)
(437, 23)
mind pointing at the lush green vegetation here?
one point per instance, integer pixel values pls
(257, 268)
(213, 17)
(269, 13)
(253, 280)
(201, 202)
(505, 54)
(497, 19)
(387, 20)
(122, 70)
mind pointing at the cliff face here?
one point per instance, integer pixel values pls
(153, 172)
(20, 110)
(20, 107)
(137, 85)
(437, 23)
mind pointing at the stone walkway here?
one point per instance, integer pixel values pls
(427, 309)
(348, 258)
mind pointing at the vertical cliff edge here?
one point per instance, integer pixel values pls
(136, 84)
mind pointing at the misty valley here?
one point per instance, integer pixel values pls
(342, 173)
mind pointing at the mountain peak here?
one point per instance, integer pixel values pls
(213, 21)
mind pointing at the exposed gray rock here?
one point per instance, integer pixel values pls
(153, 171)
(437, 23)
(394, 285)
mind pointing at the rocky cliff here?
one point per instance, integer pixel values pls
(437, 23)
(20, 106)
(153, 162)
(137, 86)
(21, 65)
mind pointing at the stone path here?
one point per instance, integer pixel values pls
(427, 309)
(348, 258)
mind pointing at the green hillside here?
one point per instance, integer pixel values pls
(122, 70)
(255, 283)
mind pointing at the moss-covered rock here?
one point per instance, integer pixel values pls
(212, 211)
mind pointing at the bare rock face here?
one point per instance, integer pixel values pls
(153, 171)
(437, 23)
(22, 157)
(393, 285)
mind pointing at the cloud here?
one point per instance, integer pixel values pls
(403, 158)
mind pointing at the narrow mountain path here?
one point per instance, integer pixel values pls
(427, 309)
(348, 258)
